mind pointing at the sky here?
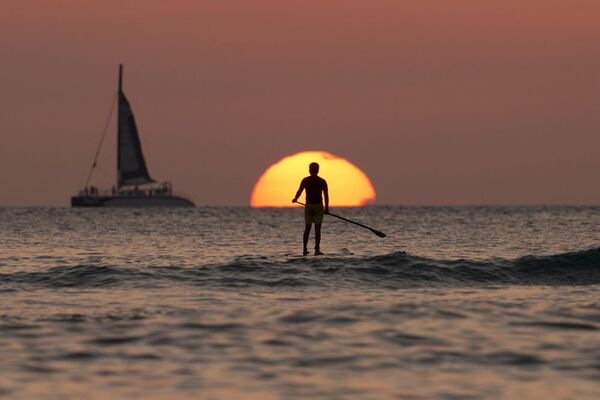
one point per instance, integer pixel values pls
(438, 102)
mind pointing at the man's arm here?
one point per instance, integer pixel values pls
(326, 195)
(299, 192)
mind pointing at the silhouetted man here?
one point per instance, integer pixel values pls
(315, 187)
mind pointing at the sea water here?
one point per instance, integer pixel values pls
(218, 303)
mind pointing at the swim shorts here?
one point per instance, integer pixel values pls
(313, 214)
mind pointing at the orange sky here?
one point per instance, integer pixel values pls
(439, 102)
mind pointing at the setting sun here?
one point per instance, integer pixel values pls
(348, 185)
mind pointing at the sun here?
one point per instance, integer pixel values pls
(348, 185)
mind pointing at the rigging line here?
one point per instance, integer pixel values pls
(112, 109)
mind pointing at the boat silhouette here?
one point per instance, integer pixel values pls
(134, 186)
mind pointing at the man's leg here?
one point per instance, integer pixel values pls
(318, 239)
(306, 234)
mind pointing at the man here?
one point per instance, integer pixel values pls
(315, 187)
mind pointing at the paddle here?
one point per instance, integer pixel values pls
(375, 231)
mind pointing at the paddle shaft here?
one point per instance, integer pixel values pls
(378, 233)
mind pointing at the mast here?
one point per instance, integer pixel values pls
(120, 78)
(119, 93)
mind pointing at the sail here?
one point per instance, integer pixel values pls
(131, 165)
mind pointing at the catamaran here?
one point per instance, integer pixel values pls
(134, 186)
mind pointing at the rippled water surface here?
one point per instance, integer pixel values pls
(455, 303)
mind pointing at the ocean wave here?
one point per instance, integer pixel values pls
(394, 270)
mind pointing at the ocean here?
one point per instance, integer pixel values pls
(219, 303)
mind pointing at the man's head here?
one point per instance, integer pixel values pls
(313, 168)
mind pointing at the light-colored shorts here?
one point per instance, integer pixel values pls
(313, 214)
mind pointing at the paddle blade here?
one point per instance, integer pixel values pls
(378, 233)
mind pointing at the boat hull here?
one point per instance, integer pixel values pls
(130, 201)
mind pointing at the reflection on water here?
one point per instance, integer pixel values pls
(216, 303)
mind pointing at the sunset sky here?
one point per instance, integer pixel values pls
(438, 102)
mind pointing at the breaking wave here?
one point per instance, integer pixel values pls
(394, 270)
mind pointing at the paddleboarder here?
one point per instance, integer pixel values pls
(316, 189)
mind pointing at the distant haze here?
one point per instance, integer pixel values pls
(438, 102)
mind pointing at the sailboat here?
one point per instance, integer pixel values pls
(134, 186)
